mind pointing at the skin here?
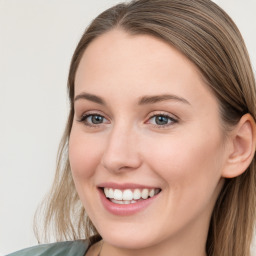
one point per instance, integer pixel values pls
(185, 158)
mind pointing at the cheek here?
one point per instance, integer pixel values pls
(190, 169)
(191, 162)
(84, 155)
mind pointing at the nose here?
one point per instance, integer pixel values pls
(121, 152)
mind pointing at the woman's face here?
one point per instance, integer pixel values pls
(145, 123)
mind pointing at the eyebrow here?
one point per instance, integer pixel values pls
(142, 101)
(158, 98)
(90, 97)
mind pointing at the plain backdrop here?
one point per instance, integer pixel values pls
(37, 39)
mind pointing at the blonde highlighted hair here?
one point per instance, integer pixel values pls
(207, 36)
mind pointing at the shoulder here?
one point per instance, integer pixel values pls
(69, 248)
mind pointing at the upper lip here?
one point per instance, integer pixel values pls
(124, 185)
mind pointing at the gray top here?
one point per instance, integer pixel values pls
(70, 248)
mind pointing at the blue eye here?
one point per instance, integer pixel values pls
(162, 120)
(93, 119)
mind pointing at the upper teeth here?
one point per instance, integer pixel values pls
(129, 194)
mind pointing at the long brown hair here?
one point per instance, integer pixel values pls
(207, 36)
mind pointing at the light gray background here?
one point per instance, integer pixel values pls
(37, 39)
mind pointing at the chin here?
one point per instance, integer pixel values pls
(131, 236)
(130, 242)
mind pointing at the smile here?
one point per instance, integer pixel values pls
(129, 196)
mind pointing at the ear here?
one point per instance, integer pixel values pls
(242, 147)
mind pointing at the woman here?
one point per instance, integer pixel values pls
(158, 153)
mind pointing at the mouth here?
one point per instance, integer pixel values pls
(129, 196)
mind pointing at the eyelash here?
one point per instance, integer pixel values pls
(171, 120)
(83, 119)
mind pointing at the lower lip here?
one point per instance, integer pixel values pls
(125, 209)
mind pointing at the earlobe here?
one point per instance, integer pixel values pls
(242, 150)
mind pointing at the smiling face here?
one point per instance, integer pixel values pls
(148, 130)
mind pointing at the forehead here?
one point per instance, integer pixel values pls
(137, 64)
(117, 50)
